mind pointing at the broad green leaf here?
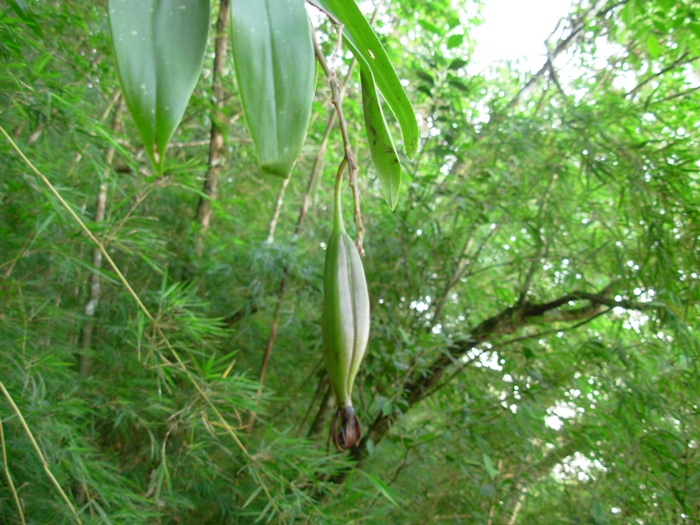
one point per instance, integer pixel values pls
(455, 41)
(695, 29)
(423, 75)
(428, 26)
(627, 14)
(457, 63)
(276, 72)
(458, 84)
(381, 146)
(653, 46)
(488, 464)
(159, 45)
(370, 53)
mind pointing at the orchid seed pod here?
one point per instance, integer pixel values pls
(345, 322)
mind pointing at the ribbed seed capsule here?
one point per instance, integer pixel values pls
(345, 322)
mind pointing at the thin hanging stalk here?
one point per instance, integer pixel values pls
(324, 408)
(321, 383)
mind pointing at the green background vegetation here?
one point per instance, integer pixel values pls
(542, 262)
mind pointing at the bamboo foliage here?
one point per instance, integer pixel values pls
(533, 296)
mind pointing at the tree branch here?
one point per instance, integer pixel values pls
(84, 358)
(463, 265)
(216, 141)
(422, 383)
(674, 65)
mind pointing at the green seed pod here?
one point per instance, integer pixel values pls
(345, 322)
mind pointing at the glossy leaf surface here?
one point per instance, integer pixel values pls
(381, 145)
(159, 46)
(276, 73)
(369, 51)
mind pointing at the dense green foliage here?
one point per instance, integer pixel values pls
(533, 354)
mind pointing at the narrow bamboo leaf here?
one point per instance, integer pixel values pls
(382, 488)
(368, 50)
(159, 45)
(381, 145)
(275, 68)
(488, 464)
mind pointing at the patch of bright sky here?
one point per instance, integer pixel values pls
(578, 467)
(515, 30)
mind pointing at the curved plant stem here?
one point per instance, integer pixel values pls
(44, 463)
(337, 201)
(8, 476)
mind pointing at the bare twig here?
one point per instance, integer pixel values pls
(463, 265)
(330, 16)
(459, 370)
(416, 387)
(588, 314)
(677, 95)
(323, 409)
(337, 102)
(321, 383)
(268, 347)
(278, 209)
(22, 252)
(541, 250)
(562, 45)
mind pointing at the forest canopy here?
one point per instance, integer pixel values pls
(531, 252)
